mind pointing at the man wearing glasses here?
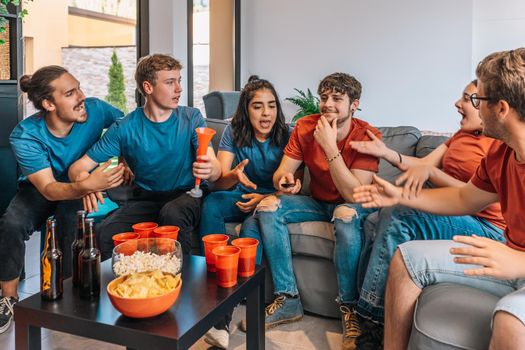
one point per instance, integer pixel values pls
(479, 262)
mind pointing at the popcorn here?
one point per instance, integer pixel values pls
(141, 262)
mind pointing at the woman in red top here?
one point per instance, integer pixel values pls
(451, 164)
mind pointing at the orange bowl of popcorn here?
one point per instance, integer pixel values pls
(144, 294)
(147, 254)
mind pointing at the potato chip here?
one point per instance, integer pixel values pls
(146, 284)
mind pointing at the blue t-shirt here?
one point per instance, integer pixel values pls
(159, 154)
(36, 148)
(264, 157)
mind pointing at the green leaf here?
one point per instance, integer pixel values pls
(307, 103)
(3, 10)
(2, 42)
(3, 29)
(15, 2)
(23, 13)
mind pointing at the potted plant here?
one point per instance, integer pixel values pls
(307, 103)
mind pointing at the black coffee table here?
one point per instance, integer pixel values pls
(200, 305)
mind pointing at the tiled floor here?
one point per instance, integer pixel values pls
(310, 333)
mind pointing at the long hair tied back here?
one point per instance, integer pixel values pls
(243, 134)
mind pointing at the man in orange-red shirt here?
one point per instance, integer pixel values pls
(322, 143)
(490, 265)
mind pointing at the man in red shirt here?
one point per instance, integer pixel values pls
(322, 143)
(490, 265)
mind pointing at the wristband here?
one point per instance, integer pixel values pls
(330, 160)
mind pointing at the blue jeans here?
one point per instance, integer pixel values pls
(401, 224)
(431, 263)
(219, 208)
(294, 209)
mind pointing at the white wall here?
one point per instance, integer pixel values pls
(168, 34)
(498, 25)
(413, 57)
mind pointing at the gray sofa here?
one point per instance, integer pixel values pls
(447, 317)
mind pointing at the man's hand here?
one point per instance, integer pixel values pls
(100, 180)
(376, 147)
(253, 200)
(414, 179)
(203, 167)
(495, 258)
(128, 176)
(287, 184)
(90, 201)
(241, 176)
(380, 194)
(326, 136)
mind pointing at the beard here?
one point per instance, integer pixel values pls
(491, 128)
(342, 121)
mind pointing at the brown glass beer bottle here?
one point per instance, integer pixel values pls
(77, 246)
(89, 261)
(51, 286)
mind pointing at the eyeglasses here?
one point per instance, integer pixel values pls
(476, 100)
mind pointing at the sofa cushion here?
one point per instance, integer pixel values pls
(428, 143)
(452, 316)
(402, 139)
(312, 238)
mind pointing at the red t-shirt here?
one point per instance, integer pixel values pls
(462, 158)
(500, 172)
(302, 146)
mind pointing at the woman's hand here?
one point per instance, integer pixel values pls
(376, 147)
(414, 179)
(253, 200)
(380, 194)
(241, 175)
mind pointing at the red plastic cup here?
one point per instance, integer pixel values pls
(248, 248)
(124, 237)
(226, 264)
(167, 232)
(145, 229)
(210, 242)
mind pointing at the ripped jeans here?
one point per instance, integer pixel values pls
(294, 209)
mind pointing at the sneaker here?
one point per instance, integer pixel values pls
(283, 310)
(6, 312)
(351, 328)
(219, 335)
(371, 337)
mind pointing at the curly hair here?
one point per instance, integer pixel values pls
(503, 77)
(342, 83)
(243, 133)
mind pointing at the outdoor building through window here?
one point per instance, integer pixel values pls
(94, 39)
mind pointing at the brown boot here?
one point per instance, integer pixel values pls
(351, 328)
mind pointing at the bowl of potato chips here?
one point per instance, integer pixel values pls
(144, 294)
